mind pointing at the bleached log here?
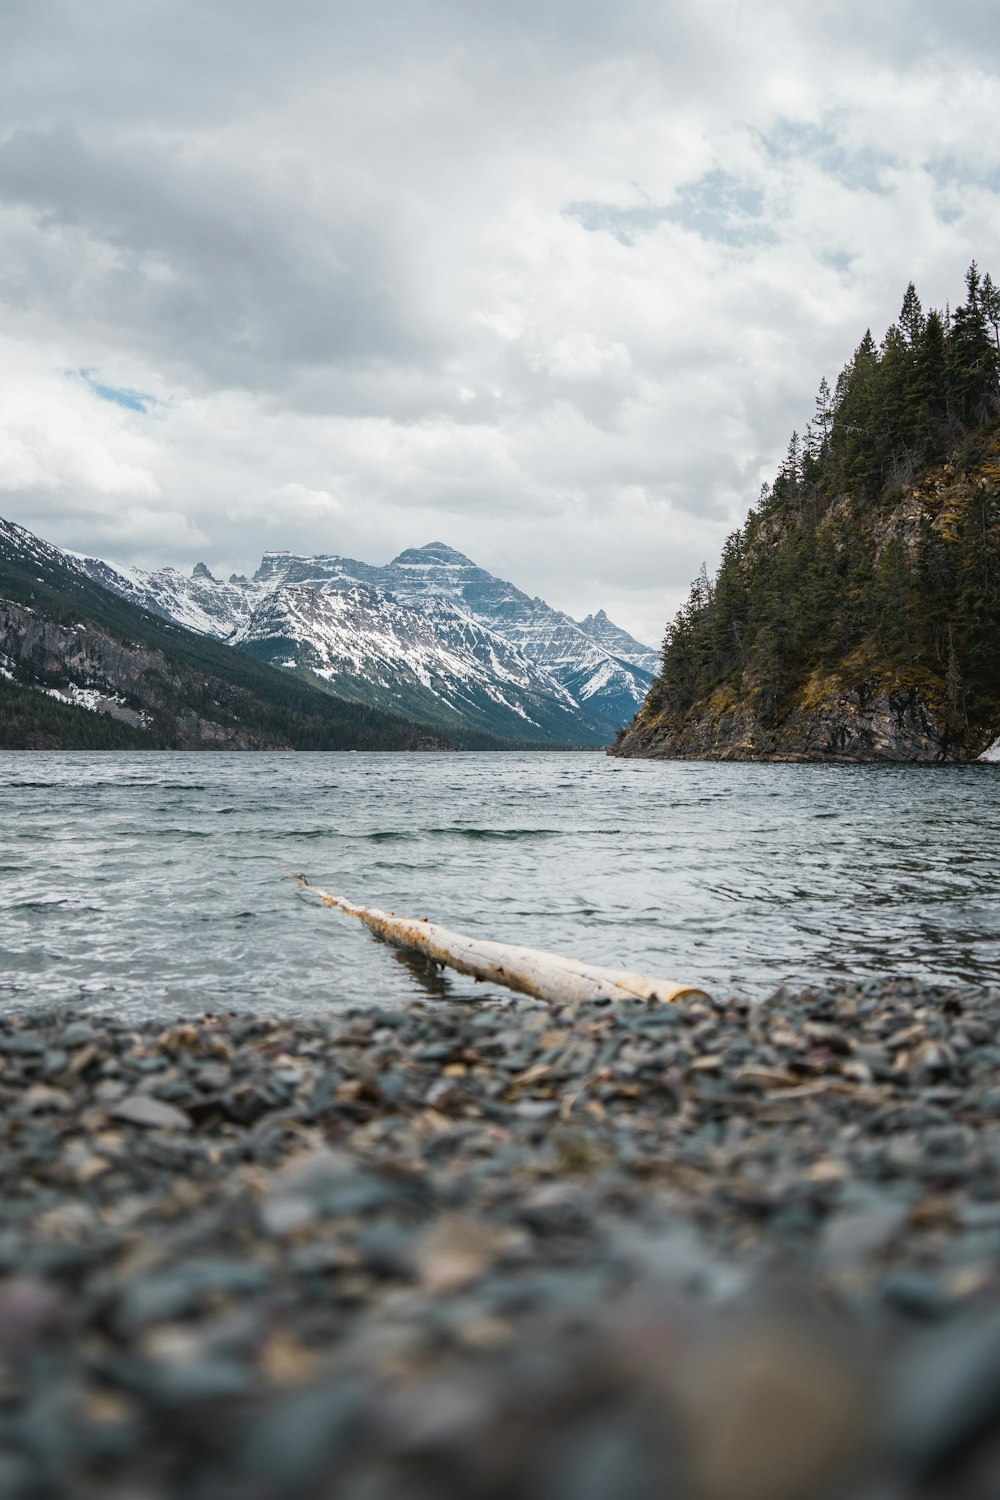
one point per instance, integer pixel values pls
(530, 971)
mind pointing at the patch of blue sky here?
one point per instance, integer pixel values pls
(948, 171)
(838, 260)
(623, 223)
(120, 395)
(718, 206)
(854, 167)
(948, 213)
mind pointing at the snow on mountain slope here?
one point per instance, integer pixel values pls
(461, 640)
(431, 660)
(611, 684)
(25, 546)
(618, 643)
(198, 601)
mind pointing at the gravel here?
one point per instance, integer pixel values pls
(710, 1251)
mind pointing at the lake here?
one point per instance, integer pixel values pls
(155, 883)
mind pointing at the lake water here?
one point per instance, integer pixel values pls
(153, 883)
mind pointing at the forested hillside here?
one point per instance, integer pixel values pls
(856, 614)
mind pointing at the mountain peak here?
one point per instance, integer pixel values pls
(201, 570)
(431, 552)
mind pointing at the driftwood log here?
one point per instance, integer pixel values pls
(530, 971)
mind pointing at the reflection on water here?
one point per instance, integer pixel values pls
(153, 882)
(425, 973)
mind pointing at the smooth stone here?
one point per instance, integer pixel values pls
(183, 1383)
(946, 1394)
(297, 1442)
(78, 1032)
(915, 1293)
(164, 1296)
(858, 1232)
(150, 1113)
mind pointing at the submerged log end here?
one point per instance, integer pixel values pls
(679, 992)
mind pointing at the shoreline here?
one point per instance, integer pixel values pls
(486, 1251)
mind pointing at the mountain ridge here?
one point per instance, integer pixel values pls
(434, 635)
(164, 686)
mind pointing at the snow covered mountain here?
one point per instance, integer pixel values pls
(83, 668)
(617, 642)
(197, 600)
(605, 669)
(428, 662)
(429, 634)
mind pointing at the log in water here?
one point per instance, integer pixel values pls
(529, 971)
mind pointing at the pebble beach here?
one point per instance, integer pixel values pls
(709, 1250)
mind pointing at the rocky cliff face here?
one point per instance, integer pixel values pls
(426, 659)
(133, 683)
(605, 669)
(197, 600)
(619, 643)
(831, 723)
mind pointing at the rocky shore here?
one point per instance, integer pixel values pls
(506, 1252)
(829, 721)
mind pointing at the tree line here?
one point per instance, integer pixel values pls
(829, 572)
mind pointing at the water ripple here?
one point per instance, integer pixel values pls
(146, 883)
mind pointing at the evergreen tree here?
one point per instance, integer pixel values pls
(972, 357)
(822, 574)
(989, 301)
(855, 440)
(822, 422)
(911, 318)
(931, 396)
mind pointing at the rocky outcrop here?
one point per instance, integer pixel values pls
(829, 721)
(132, 682)
(844, 629)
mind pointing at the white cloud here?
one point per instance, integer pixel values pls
(59, 441)
(286, 504)
(551, 282)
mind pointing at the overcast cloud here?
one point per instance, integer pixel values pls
(549, 281)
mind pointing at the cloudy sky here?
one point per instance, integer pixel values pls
(549, 280)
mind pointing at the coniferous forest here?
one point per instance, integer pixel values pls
(859, 605)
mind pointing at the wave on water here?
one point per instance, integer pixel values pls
(318, 833)
(168, 833)
(125, 784)
(399, 835)
(495, 833)
(678, 864)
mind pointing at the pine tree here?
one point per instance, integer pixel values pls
(931, 399)
(989, 301)
(855, 439)
(823, 420)
(972, 355)
(911, 318)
